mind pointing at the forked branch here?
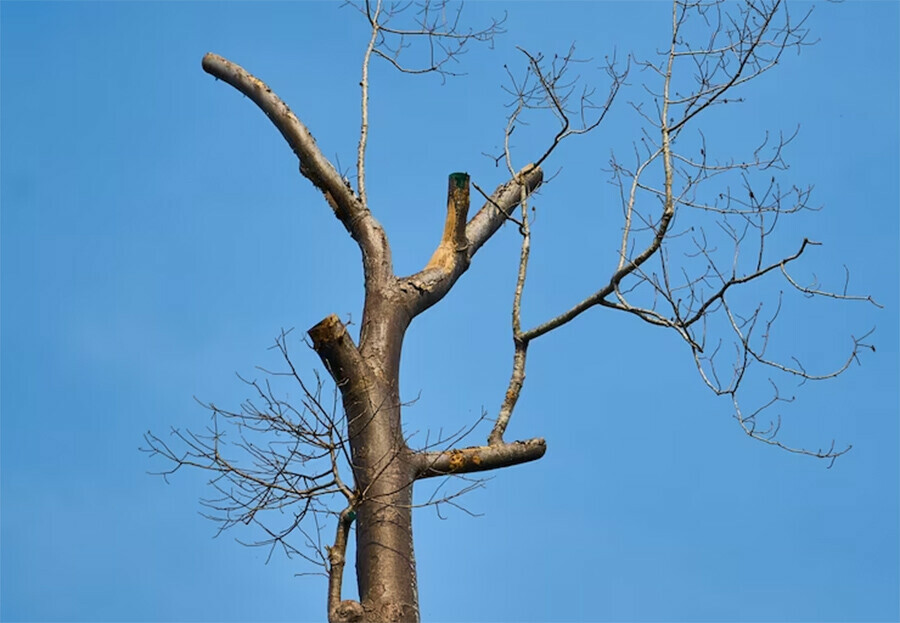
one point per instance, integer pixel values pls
(454, 253)
(691, 297)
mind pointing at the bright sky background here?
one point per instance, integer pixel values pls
(156, 236)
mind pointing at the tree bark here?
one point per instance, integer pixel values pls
(383, 465)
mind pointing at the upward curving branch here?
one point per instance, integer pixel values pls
(314, 166)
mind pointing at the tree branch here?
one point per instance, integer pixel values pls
(500, 205)
(335, 347)
(694, 302)
(347, 611)
(517, 377)
(364, 105)
(461, 241)
(452, 249)
(314, 166)
(478, 458)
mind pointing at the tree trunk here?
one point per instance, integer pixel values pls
(383, 466)
(385, 563)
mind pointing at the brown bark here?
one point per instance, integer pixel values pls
(384, 467)
(428, 286)
(339, 611)
(368, 377)
(382, 463)
(479, 458)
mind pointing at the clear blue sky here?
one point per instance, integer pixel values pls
(156, 235)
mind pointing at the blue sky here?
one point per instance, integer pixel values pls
(156, 236)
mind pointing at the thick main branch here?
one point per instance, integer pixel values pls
(348, 208)
(313, 164)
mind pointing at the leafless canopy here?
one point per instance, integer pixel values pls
(695, 225)
(696, 235)
(271, 460)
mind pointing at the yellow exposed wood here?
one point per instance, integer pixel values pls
(453, 240)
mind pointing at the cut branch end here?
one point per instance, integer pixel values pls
(453, 240)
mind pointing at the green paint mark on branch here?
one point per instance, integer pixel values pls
(459, 180)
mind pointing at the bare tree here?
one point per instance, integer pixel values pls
(696, 227)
